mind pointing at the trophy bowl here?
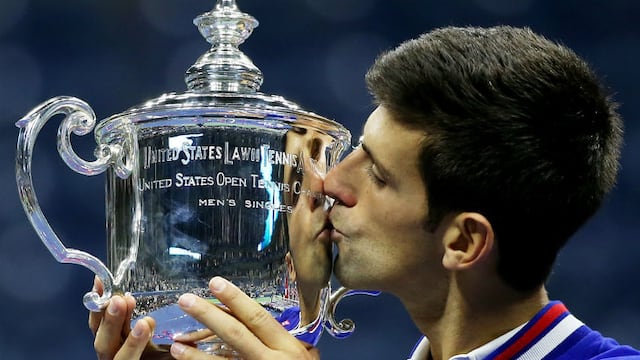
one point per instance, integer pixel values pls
(218, 180)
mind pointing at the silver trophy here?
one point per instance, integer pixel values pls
(217, 180)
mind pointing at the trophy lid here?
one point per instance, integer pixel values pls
(224, 67)
(222, 84)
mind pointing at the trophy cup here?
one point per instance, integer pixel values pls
(217, 180)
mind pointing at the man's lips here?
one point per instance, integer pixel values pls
(335, 234)
(324, 235)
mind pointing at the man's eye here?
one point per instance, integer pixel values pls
(375, 178)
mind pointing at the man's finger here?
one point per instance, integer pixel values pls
(251, 329)
(109, 333)
(131, 305)
(182, 351)
(227, 327)
(250, 313)
(137, 340)
(94, 321)
(95, 317)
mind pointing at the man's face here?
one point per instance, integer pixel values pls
(380, 212)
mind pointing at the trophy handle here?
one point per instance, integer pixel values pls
(79, 119)
(345, 327)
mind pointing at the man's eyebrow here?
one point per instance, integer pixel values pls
(383, 171)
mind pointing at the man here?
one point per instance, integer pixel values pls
(487, 150)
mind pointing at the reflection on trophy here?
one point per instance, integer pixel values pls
(218, 180)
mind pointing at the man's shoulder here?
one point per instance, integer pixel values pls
(618, 352)
(594, 346)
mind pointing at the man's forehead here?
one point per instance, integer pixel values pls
(372, 125)
(377, 138)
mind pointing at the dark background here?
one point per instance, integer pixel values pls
(118, 53)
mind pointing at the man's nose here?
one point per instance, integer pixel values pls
(340, 182)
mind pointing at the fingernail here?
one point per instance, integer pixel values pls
(177, 349)
(217, 284)
(113, 308)
(187, 300)
(137, 329)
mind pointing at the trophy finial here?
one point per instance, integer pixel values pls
(227, 4)
(224, 67)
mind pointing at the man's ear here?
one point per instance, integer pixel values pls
(468, 241)
(290, 268)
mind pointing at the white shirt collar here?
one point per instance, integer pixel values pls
(421, 351)
(533, 340)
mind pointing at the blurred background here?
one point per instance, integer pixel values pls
(118, 53)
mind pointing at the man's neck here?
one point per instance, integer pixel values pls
(464, 325)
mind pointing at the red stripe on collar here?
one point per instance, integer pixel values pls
(532, 331)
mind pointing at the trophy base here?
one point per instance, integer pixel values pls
(215, 347)
(218, 347)
(172, 321)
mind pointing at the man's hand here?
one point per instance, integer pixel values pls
(246, 326)
(114, 339)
